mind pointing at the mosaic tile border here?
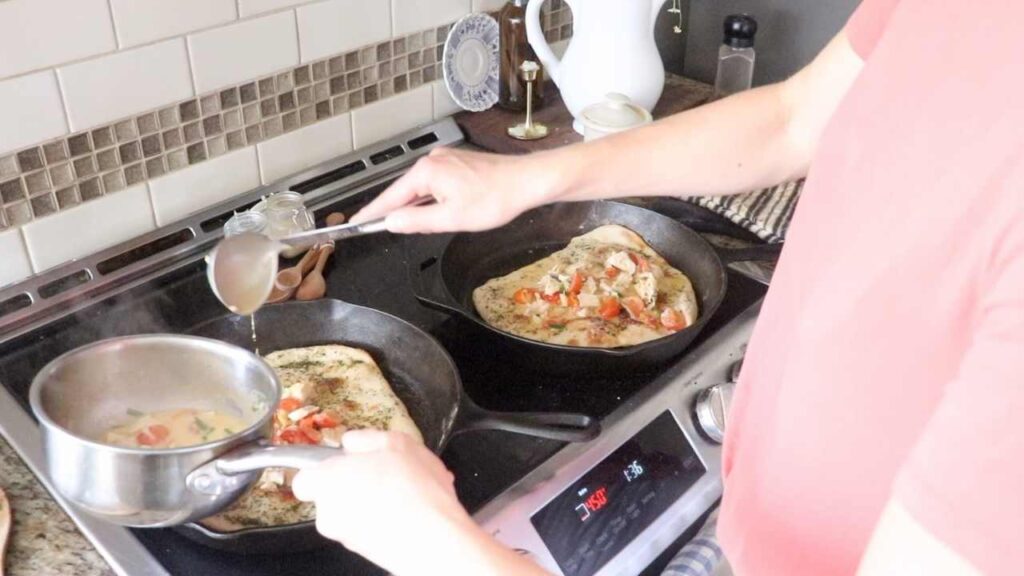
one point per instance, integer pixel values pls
(79, 167)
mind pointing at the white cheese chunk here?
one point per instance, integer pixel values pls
(300, 413)
(622, 261)
(331, 437)
(302, 391)
(549, 285)
(647, 289)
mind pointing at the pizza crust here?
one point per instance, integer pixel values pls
(339, 378)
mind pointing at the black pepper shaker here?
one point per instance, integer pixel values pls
(736, 55)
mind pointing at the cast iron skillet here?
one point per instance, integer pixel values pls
(446, 279)
(419, 370)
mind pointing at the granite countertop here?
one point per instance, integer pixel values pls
(44, 541)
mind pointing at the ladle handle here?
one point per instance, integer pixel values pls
(259, 456)
(332, 233)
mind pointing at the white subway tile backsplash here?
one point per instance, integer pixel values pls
(238, 52)
(14, 263)
(327, 28)
(140, 21)
(412, 15)
(386, 118)
(111, 87)
(39, 33)
(488, 5)
(443, 103)
(181, 193)
(30, 110)
(250, 7)
(304, 148)
(89, 227)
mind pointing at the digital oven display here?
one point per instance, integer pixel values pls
(591, 521)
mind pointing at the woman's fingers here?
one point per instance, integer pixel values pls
(421, 219)
(403, 192)
(359, 441)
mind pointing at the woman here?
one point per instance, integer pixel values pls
(876, 426)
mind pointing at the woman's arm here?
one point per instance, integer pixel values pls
(753, 139)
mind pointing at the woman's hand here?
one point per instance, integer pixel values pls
(391, 500)
(474, 191)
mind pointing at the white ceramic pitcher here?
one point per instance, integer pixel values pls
(612, 50)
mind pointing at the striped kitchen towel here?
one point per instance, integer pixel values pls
(764, 212)
(701, 556)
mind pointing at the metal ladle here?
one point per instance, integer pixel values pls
(241, 269)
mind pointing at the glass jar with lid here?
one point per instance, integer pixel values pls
(242, 222)
(287, 214)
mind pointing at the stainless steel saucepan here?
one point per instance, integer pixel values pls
(79, 396)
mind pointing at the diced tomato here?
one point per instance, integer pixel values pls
(574, 301)
(611, 271)
(577, 283)
(326, 419)
(311, 433)
(308, 421)
(293, 435)
(553, 298)
(524, 295)
(610, 308)
(641, 263)
(286, 494)
(289, 404)
(635, 306)
(673, 319)
(152, 435)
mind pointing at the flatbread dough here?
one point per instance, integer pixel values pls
(342, 383)
(607, 289)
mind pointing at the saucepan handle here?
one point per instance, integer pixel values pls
(224, 473)
(563, 426)
(428, 285)
(261, 455)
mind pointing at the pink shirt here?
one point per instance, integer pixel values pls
(889, 357)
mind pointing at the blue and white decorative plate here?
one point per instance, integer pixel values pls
(470, 62)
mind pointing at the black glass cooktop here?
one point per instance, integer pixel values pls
(370, 271)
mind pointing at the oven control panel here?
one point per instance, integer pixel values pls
(613, 505)
(593, 519)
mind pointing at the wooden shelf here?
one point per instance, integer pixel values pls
(487, 129)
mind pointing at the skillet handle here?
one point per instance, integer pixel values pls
(562, 426)
(757, 253)
(227, 472)
(428, 286)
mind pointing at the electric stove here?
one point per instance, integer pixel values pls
(617, 505)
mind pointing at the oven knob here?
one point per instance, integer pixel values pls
(712, 410)
(734, 370)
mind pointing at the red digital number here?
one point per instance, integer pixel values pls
(598, 499)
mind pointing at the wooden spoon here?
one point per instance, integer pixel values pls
(289, 279)
(335, 219)
(314, 286)
(5, 527)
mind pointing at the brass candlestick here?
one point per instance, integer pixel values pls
(529, 130)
